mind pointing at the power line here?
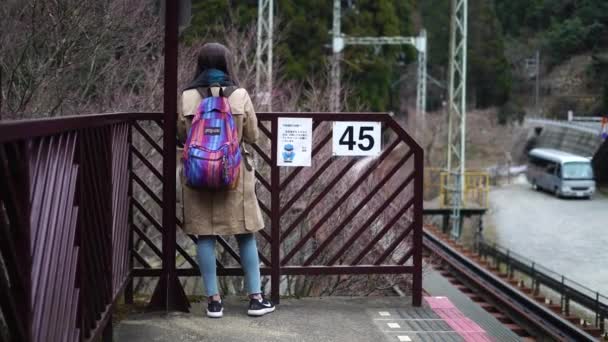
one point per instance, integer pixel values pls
(340, 41)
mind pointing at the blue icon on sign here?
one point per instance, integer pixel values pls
(288, 153)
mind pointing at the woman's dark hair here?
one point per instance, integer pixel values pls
(215, 56)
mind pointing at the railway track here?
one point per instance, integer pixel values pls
(521, 312)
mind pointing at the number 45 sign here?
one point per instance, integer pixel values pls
(357, 138)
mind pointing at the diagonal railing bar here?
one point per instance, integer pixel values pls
(228, 248)
(307, 185)
(317, 199)
(64, 161)
(350, 216)
(147, 136)
(147, 240)
(144, 160)
(333, 182)
(265, 236)
(235, 255)
(158, 122)
(264, 130)
(66, 260)
(47, 283)
(187, 256)
(355, 211)
(40, 150)
(159, 227)
(263, 259)
(396, 243)
(297, 170)
(146, 214)
(43, 208)
(141, 259)
(406, 256)
(149, 191)
(232, 252)
(263, 181)
(390, 224)
(121, 156)
(262, 154)
(264, 208)
(37, 205)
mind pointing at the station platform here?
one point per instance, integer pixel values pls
(336, 319)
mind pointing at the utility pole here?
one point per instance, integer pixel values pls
(421, 43)
(537, 97)
(339, 42)
(457, 111)
(263, 65)
(337, 47)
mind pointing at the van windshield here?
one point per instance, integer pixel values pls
(577, 171)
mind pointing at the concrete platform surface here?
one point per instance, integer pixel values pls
(333, 319)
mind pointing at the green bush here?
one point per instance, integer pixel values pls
(567, 38)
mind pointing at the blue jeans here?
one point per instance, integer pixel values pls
(205, 251)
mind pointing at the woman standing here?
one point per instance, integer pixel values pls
(208, 214)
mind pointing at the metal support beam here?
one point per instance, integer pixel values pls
(340, 41)
(421, 83)
(457, 110)
(263, 65)
(169, 294)
(337, 47)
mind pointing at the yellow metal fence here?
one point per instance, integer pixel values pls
(476, 187)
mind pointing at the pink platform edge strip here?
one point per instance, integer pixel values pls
(464, 326)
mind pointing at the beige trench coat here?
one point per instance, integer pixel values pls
(223, 212)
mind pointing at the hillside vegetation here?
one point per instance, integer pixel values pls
(72, 56)
(560, 29)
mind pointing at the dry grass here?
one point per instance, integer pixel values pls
(487, 142)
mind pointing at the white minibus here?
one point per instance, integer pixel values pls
(563, 174)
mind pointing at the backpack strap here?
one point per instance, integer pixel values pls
(228, 91)
(204, 92)
(224, 92)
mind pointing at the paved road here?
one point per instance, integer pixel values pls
(569, 236)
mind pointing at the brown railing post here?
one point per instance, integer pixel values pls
(169, 294)
(275, 218)
(418, 201)
(15, 238)
(129, 287)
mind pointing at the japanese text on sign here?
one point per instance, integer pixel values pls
(294, 146)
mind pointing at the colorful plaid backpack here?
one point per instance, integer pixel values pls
(212, 155)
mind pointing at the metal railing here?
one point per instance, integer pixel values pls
(64, 225)
(566, 124)
(83, 196)
(297, 216)
(541, 278)
(476, 187)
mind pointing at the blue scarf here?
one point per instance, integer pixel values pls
(209, 77)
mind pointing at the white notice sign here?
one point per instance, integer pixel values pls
(295, 142)
(357, 138)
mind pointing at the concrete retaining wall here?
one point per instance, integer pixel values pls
(578, 140)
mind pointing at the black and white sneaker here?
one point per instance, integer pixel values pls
(260, 307)
(215, 309)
